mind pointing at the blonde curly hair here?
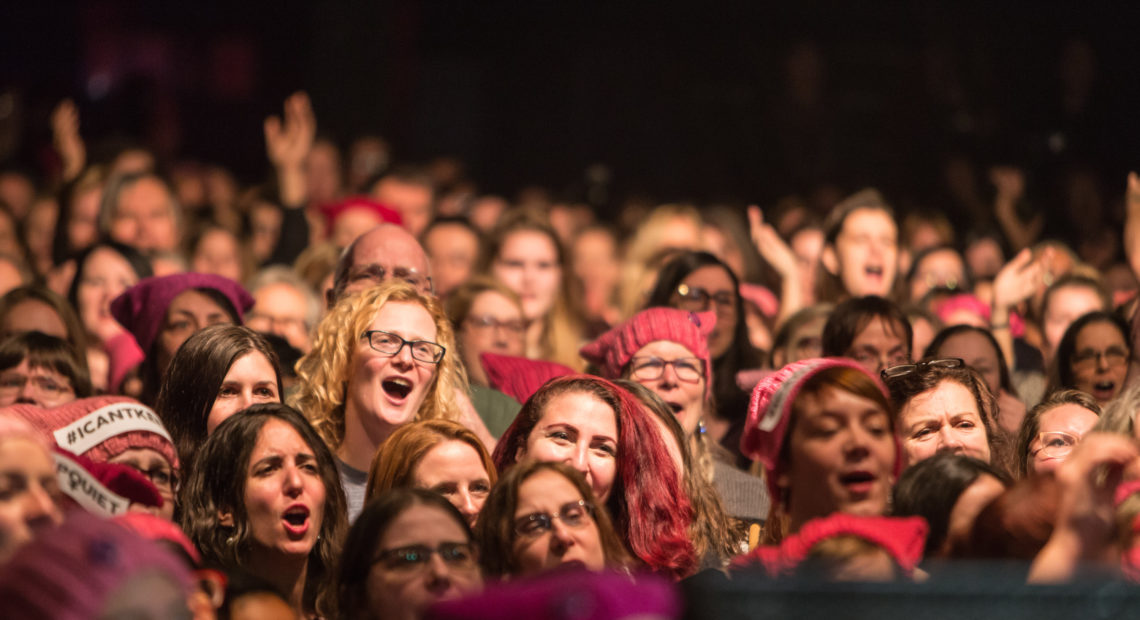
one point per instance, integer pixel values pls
(323, 372)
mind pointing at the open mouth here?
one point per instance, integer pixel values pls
(397, 387)
(857, 481)
(296, 519)
(874, 271)
(1104, 387)
(676, 407)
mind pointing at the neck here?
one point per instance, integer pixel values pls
(534, 345)
(287, 573)
(358, 447)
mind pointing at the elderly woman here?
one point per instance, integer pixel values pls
(264, 497)
(945, 406)
(382, 358)
(438, 455)
(1052, 429)
(605, 433)
(823, 429)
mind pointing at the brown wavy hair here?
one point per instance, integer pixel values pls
(397, 457)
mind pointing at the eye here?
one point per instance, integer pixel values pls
(607, 449)
(559, 436)
(481, 487)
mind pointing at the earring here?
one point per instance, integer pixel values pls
(701, 430)
(232, 540)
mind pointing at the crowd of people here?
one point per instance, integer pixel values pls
(372, 392)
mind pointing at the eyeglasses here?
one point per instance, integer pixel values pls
(163, 478)
(1055, 444)
(903, 370)
(573, 515)
(514, 327)
(46, 385)
(414, 558)
(379, 274)
(391, 344)
(1087, 358)
(688, 369)
(696, 299)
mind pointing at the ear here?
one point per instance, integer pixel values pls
(830, 259)
(225, 518)
(520, 453)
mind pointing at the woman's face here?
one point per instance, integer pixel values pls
(106, 274)
(710, 288)
(684, 396)
(187, 313)
(941, 268)
(573, 536)
(1066, 305)
(1058, 431)
(33, 315)
(867, 253)
(841, 456)
(580, 430)
(152, 464)
(284, 493)
(386, 391)
(218, 253)
(976, 351)
(400, 589)
(1100, 361)
(251, 380)
(528, 264)
(943, 419)
(493, 324)
(29, 493)
(40, 386)
(455, 470)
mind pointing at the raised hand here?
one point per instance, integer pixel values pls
(1010, 184)
(1020, 279)
(68, 142)
(287, 143)
(780, 256)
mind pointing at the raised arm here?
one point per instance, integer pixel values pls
(1132, 222)
(1017, 281)
(1010, 184)
(68, 143)
(287, 144)
(781, 257)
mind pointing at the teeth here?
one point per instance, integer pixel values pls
(402, 382)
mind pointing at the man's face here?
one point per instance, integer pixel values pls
(866, 253)
(453, 250)
(387, 251)
(413, 201)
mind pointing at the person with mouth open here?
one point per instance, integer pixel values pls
(280, 515)
(1093, 357)
(823, 429)
(861, 249)
(382, 357)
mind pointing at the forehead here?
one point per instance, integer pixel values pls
(941, 259)
(1073, 300)
(405, 317)
(529, 244)
(1067, 417)
(712, 277)
(278, 437)
(545, 488)
(879, 332)
(286, 296)
(946, 398)
(1099, 333)
(832, 400)
(967, 345)
(666, 349)
(868, 220)
(421, 524)
(194, 301)
(390, 247)
(492, 301)
(583, 411)
(147, 191)
(442, 236)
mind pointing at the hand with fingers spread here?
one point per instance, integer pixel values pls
(780, 256)
(1020, 279)
(65, 136)
(288, 142)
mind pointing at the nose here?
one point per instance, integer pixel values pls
(669, 376)
(578, 460)
(292, 484)
(404, 355)
(27, 393)
(245, 400)
(1101, 362)
(467, 505)
(560, 538)
(949, 441)
(40, 509)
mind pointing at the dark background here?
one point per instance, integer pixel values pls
(679, 100)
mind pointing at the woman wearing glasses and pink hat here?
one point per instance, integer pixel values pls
(824, 431)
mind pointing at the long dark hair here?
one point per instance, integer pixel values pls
(954, 330)
(731, 401)
(1061, 375)
(217, 484)
(139, 264)
(191, 383)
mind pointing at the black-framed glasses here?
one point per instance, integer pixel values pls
(696, 299)
(1056, 444)
(512, 326)
(903, 370)
(391, 344)
(1088, 358)
(163, 478)
(687, 369)
(379, 274)
(414, 558)
(573, 515)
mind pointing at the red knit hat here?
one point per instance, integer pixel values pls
(334, 210)
(901, 537)
(520, 377)
(104, 489)
(770, 409)
(613, 350)
(101, 427)
(142, 308)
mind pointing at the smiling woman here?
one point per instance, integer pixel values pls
(383, 357)
(281, 517)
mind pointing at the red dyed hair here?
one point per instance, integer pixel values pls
(650, 509)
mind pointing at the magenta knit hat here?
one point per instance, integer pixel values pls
(613, 350)
(141, 309)
(770, 409)
(70, 572)
(103, 489)
(101, 427)
(520, 377)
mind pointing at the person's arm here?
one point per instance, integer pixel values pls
(68, 143)
(1010, 184)
(287, 144)
(1132, 222)
(772, 247)
(1017, 281)
(1086, 513)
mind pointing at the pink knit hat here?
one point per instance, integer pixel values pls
(770, 409)
(142, 308)
(72, 570)
(613, 350)
(101, 427)
(520, 377)
(333, 210)
(104, 489)
(156, 528)
(903, 538)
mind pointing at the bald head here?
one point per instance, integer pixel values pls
(387, 251)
